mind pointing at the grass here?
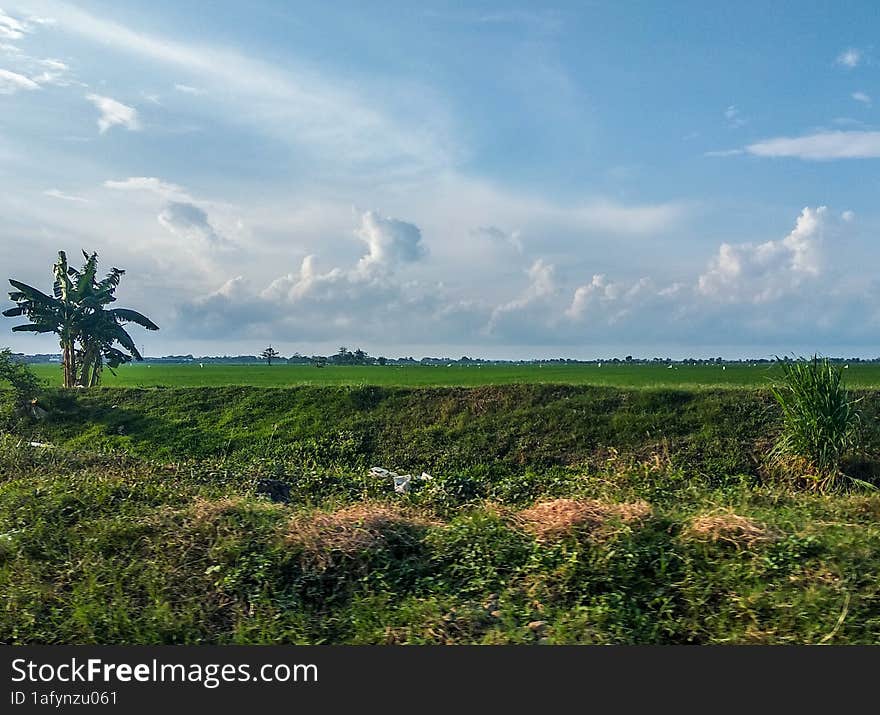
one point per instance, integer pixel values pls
(821, 422)
(620, 375)
(556, 514)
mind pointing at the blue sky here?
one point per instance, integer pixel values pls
(503, 179)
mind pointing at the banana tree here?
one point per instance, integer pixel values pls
(87, 331)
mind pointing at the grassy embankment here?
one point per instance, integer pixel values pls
(142, 525)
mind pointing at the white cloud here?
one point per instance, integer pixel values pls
(114, 113)
(149, 184)
(12, 82)
(11, 28)
(734, 117)
(724, 152)
(390, 242)
(297, 104)
(58, 194)
(363, 301)
(190, 222)
(606, 215)
(541, 287)
(821, 146)
(50, 71)
(862, 97)
(187, 89)
(498, 236)
(850, 58)
(758, 273)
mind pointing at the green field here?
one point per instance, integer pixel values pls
(555, 514)
(191, 375)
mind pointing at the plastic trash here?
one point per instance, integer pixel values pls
(401, 482)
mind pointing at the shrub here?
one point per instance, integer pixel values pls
(820, 421)
(25, 385)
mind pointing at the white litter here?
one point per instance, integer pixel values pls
(402, 482)
(42, 445)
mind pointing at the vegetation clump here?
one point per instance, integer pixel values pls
(345, 532)
(557, 517)
(76, 312)
(820, 421)
(24, 383)
(728, 527)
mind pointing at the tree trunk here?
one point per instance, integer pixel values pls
(68, 358)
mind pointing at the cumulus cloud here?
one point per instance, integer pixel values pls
(390, 242)
(114, 113)
(772, 289)
(821, 146)
(762, 272)
(365, 301)
(850, 58)
(12, 82)
(188, 221)
(615, 300)
(540, 288)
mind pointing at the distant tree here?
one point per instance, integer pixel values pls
(360, 357)
(270, 354)
(382, 360)
(88, 332)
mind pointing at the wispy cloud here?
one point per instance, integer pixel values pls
(862, 97)
(12, 82)
(296, 104)
(58, 194)
(821, 146)
(186, 89)
(850, 58)
(114, 113)
(12, 28)
(723, 152)
(734, 117)
(151, 184)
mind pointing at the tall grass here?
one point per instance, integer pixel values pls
(820, 420)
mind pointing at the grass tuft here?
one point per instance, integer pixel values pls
(820, 421)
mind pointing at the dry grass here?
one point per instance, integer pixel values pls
(206, 511)
(351, 530)
(549, 519)
(727, 527)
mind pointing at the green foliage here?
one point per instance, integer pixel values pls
(142, 524)
(88, 331)
(25, 385)
(820, 420)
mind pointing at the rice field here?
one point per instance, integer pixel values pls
(609, 374)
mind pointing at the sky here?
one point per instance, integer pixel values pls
(505, 180)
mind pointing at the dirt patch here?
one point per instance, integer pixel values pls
(728, 527)
(352, 530)
(561, 516)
